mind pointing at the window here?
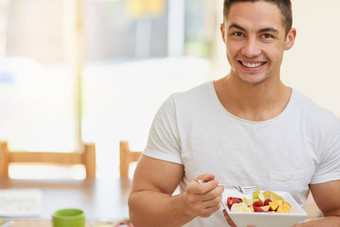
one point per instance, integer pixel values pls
(99, 75)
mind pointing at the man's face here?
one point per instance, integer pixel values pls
(255, 40)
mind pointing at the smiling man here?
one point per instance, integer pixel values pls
(247, 128)
(256, 38)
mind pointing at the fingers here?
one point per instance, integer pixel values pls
(213, 194)
(206, 177)
(207, 211)
(209, 184)
(204, 199)
(227, 217)
(202, 188)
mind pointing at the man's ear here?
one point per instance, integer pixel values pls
(290, 38)
(222, 31)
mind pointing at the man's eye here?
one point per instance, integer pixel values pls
(238, 34)
(267, 36)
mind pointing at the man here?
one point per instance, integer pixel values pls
(247, 128)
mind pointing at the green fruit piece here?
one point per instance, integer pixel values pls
(247, 201)
(261, 197)
(256, 194)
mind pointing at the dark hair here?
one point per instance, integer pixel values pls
(285, 7)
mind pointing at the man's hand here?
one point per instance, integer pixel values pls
(203, 199)
(226, 216)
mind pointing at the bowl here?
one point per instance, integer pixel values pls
(243, 219)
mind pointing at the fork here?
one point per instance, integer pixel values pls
(242, 189)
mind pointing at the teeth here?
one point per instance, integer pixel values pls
(252, 65)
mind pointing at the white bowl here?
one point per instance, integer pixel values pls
(243, 219)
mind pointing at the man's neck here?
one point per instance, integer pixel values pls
(252, 102)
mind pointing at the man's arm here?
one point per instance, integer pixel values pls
(327, 198)
(151, 202)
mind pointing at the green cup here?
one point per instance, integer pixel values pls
(68, 218)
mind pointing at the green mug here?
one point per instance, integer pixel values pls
(68, 218)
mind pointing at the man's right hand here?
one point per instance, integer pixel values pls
(203, 199)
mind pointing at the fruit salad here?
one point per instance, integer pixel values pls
(266, 201)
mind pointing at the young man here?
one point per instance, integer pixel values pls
(247, 128)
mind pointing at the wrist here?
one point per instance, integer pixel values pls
(187, 208)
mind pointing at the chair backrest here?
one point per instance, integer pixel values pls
(126, 158)
(86, 157)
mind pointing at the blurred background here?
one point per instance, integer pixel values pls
(96, 71)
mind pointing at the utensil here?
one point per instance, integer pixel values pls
(242, 189)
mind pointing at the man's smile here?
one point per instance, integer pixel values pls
(252, 64)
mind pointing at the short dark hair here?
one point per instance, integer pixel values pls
(285, 7)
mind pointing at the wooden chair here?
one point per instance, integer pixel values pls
(87, 157)
(126, 158)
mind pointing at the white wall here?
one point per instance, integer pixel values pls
(312, 65)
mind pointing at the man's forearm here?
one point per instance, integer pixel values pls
(330, 221)
(149, 208)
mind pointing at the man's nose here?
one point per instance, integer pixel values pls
(251, 48)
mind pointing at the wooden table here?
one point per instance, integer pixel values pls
(104, 200)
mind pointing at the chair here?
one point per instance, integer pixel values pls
(126, 158)
(87, 157)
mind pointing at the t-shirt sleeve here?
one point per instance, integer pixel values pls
(329, 166)
(163, 141)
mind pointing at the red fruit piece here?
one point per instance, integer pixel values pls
(232, 200)
(267, 201)
(258, 204)
(258, 209)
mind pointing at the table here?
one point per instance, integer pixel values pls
(36, 223)
(104, 200)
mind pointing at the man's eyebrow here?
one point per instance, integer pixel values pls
(269, 29)
(236, 26)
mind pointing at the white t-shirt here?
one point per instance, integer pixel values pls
(301, 146)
